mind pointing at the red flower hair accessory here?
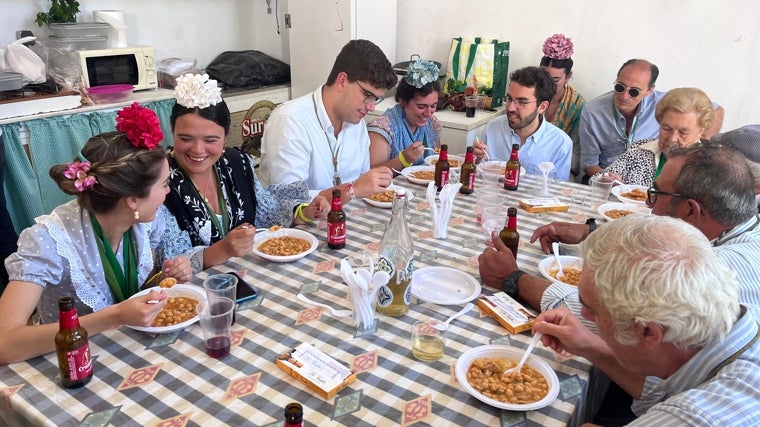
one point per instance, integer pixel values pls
(558, 47)
(141, 125)
(78, 171)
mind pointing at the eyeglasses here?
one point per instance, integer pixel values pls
(369, 97)
(632, 91)
(652, 194)
(519, 103)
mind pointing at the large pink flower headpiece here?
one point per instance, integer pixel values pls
(558, 47)
(78, 171)
(141, 125)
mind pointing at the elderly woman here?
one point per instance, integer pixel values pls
(564, 110)
(399, 137)
(684, 115)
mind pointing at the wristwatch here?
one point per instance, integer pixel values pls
(591, 222)
(509, 285)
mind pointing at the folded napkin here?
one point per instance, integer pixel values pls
(363, 286)
(440, 215)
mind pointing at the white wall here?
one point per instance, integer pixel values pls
(703, 43)
(714, 46)
(176, 28)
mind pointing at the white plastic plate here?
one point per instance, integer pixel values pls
(263, 236)
(444, 286)
(178, 290)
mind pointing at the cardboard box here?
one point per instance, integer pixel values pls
(508, 312)
(544, 204)
(320, 372)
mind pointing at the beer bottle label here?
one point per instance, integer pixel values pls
(512, 177)
(336, 233)
(444, 177)
(79, 362)
(471, 180)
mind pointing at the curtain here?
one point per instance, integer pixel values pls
(54, 140)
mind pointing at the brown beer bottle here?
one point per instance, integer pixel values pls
(336, 223)
(293, 415)
(512, 173)
(467, 173)
(509, 235)
(72, 347)
(442, 168)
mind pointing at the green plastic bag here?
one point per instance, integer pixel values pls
(481, 63)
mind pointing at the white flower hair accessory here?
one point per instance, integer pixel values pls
(421, 72)
(558, 46)
(197, 90)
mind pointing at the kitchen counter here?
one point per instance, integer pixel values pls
(459, 131)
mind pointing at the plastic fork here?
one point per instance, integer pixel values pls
(518, 368)
(555, 249)
(334, 312)
(445, 325)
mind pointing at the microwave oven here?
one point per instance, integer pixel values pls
(134, 65)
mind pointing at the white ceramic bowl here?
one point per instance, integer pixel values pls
(633, 208)
(388, 205)
(549, 263)
(431, 160)
(263, 236)
(411, 169)
(619, 190)
(178, 290)
(506, 352)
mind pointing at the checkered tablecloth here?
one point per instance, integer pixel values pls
(168, 380)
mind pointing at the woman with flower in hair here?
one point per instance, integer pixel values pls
(400, 136)
(97, 249)
(564, 110)
(216, 198)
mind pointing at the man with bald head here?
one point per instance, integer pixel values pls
(613, 121)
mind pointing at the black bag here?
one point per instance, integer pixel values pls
(248, 68)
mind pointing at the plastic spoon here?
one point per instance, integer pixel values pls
(555, 249)
(518, 368)
(334, 312)
(445, 325)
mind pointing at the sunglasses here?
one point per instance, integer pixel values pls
(632, 91)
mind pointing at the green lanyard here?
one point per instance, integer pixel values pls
(123, 286)
(223, 228)
(334, 152)
(663, 159)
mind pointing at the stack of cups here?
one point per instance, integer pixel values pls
(217, 313)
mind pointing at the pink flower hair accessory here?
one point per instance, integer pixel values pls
(558, 47)
(78, 171)
(141, 125)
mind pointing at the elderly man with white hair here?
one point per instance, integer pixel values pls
(671, 329)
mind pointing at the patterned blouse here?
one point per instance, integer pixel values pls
(568, 114)
(637, 165)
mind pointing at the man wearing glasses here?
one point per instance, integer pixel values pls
(611, 122)
(528, 95)
(321, 137)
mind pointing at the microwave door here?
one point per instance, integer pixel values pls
(115, 69)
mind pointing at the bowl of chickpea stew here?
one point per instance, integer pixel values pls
(479, 371)
(179, 312)
(571, 265)
(284, 245)
(384, 200)
(421, 174)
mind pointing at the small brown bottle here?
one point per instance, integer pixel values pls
(442, 168)
(72, 347)
(336, 223)
(293, 415)
(512, 172)
(509, 235)
(467, 173)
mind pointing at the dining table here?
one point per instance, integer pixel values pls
(143, 379)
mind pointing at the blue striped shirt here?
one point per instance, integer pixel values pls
(690, 398)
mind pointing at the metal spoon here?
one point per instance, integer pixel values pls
(334, 312)
(518, 368)
(555, 249)
(445, 325)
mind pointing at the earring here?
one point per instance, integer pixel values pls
(137, 214)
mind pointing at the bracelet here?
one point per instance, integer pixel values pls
(350, 188)
(300, 215)
(403, 160)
